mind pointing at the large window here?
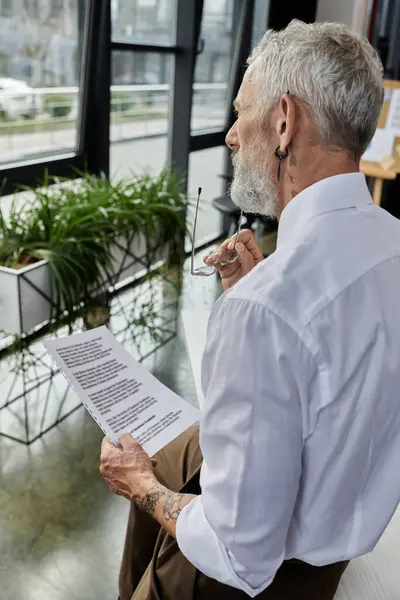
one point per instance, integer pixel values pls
(47, 121)
(40, 61)
(141, 84)
(213, 65)
(140, 94)
(143, 21)
(148, 154)
(205, 169)
(141, 68)
(261, 12)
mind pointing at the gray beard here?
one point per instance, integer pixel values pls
(252, 190)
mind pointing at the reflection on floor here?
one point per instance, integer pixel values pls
(61, 530)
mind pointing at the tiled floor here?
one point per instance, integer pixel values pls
(61, 530)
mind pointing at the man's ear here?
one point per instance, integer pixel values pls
(285, 121)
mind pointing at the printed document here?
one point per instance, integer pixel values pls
(381, 145)
(119, 393)
(393, 118)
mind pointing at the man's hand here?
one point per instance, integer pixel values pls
(249, 255)
(128, 471)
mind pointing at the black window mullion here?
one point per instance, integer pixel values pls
(210, 139)
(188, 32)
(132, 47)
(242, 51)
(96, 101)
(87, 19)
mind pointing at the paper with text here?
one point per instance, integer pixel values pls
(381, 145)
(120, 394)
(393, 118)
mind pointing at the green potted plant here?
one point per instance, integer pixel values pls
(76, 238)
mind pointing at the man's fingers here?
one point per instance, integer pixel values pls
(225, 244)
(127, 441)
(247, 238)
(106, 445)
(228, 270)
(221, 248)
(246, 259)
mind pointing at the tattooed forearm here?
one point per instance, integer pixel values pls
(151, 498)
(164, 505)
(173, 505)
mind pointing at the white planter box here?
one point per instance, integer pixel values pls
(25, 297)
(27, 294)
(131, 262)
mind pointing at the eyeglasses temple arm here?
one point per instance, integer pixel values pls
(194, 230)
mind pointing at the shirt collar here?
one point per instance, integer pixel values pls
(333, 193)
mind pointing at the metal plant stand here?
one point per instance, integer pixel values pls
(141, 313)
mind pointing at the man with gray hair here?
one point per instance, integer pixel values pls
(296, 472)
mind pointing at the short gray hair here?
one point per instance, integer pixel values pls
(336, 72)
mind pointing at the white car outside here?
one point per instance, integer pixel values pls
(17, 99)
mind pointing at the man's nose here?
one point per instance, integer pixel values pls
(232, 138)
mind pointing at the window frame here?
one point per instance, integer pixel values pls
(93, 148)
(30, 172)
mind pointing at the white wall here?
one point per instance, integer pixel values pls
(351, 12)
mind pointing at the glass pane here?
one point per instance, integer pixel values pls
(205, 168)
(213, 65)
(40, 62)
(143, 21)
(261, 12)
(138, 156)
(139, 95)
(139, 111)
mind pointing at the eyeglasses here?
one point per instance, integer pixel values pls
(219, 257)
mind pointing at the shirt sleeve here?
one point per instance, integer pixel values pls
(251, 439)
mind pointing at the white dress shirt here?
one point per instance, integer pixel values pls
(301, 427)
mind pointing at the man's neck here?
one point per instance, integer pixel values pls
(302, 172)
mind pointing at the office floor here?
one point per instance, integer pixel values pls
(61, 530)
